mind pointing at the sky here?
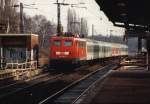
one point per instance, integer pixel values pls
(47, 8)
(44, 7)
(91, 12)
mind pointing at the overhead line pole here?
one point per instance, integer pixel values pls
(21, 24)
(58, 19)
(21, 15)
(21, 19)
(59, 16)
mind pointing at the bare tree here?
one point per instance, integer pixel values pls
(73, 22)
(41, 26)
(76, 25)
(28, 24)
(84, 27)
(9, 17)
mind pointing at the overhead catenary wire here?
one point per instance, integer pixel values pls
(40, 10)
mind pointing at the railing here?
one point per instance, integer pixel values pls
(19, 70)
(7, 74)
(25, 65)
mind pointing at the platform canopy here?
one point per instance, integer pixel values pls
(133, 13)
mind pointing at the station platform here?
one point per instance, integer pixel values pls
(124, 87)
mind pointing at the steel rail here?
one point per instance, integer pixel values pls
(52, 98)
(29, 86)
(19, 82)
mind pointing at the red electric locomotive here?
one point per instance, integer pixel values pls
(67, 49)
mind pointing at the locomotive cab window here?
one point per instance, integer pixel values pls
(57, 42)
(68, 43)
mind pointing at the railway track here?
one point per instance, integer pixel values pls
(7, 85)
(6, 81)
(37, 91)
(16, 83)
(17, 87)
(72, 93)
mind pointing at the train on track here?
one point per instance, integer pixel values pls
(74, 50)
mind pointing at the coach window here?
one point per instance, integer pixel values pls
(68, 43)
(84, 44)
(81, 44)
(57, 43)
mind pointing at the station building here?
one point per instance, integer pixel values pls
(18, 48)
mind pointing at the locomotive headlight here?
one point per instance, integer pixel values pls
(66, 53)
(58, 53)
